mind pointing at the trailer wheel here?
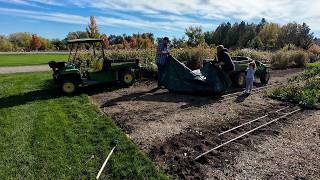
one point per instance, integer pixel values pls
(241, 80)
(127, 78)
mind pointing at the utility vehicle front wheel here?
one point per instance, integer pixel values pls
(69, 86)
(127, 78)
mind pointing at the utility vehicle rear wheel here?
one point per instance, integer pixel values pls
(127, 78)
(69, 86)
(264, 79)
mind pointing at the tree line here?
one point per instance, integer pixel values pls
(263, 36)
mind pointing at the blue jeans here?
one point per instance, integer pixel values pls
(160, 73)
(249, 84)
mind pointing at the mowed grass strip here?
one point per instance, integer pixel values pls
(30, 59)
(44, 135)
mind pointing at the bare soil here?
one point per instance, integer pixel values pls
(174, 128)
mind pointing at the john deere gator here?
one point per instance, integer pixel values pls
(87, 65)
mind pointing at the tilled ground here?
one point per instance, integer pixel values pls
(173, 129)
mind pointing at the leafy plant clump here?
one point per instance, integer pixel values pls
(304, 89)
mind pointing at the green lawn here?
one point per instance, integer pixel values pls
(30, 59)
(44, 135)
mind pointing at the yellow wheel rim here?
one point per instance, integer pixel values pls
(128, 78)
(68, 87)
(241, 80)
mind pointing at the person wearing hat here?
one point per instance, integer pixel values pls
(224, 60)
(163, 52)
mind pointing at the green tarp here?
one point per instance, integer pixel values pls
(179, 78)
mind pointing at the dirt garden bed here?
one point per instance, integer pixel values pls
(173, 129)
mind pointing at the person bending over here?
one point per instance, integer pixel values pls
(224, 60)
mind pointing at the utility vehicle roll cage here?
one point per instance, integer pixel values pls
(85, 41)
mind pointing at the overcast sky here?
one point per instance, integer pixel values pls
(55, 18)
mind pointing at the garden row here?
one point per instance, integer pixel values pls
(303, 89)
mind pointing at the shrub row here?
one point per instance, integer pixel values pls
(264, 56)
(291, 58)
(304, 89)
(306, 95)
(193, 57)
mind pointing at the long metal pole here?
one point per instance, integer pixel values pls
(105, 162)
(250, 122)
(248, 132)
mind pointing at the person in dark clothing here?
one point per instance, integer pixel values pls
(163, 52)
(224, 60)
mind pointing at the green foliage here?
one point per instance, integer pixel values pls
(289, 47)
(303, 89)
(269, 35)
(297, 34)
(285, 59)
(193, 57)
(280, 60)
(313, 65)
(299, 58)
(256, 43)
(5, 44)
(179, 43)
(262, 36)
(59, 45)
(20, 40)
(220, 34)
(307, 95)
(48, 136)
(195, 36)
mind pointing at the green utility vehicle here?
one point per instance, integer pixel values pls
(241, 64)
(238, 77)
(87, 65)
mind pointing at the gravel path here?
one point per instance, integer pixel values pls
(22, 69)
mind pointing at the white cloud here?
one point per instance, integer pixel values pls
(178, 14)
(282, 11)
(56, 17)
(104, 21)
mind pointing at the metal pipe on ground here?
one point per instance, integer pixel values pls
(115, 142)
(248, 132)
(250, 122)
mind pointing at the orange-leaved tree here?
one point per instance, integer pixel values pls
(35, 42)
